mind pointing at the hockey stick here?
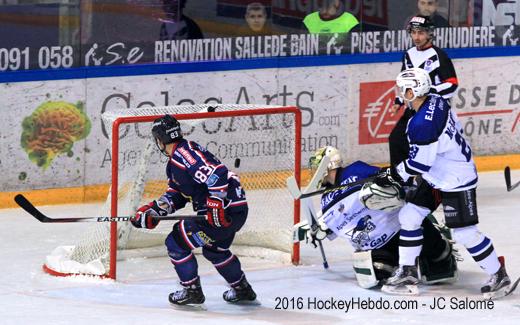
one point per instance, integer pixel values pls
(32, 210)
(295, 192)
(308, 208)
(507, 176)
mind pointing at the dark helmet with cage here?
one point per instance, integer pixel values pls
(166, 130)
(421, 22)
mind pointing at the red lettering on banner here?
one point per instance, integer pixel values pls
(187, 156)
(375, 101)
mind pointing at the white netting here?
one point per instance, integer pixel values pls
(265, 148)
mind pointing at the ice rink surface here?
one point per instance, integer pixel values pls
(29, 296)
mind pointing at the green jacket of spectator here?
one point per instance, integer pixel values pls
(342, 24)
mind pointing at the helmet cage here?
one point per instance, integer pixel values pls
(335, 162)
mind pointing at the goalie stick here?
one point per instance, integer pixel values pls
(507, 176)
(32, 210)
(295, 192)
(307, 206)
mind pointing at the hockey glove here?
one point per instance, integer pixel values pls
(216, 212)
(144, 218)
(388, 177)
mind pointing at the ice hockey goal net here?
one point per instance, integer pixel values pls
(261, 144)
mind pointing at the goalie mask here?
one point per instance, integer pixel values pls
(416, 79)
(166, 130)
(335, 159)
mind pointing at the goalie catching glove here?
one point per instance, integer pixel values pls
(384, 193)
(216, 212)
(144, 218)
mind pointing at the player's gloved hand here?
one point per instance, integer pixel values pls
(144, 217)
(387, 177)
(216, 212)
(320, 231)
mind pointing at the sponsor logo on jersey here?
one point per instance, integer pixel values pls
(428, 65)
(186, 155)
(378, 241)
(375, 122)
(212, 180)
(202, 238)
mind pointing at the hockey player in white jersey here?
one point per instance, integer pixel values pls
(443, 158)
(369, 222)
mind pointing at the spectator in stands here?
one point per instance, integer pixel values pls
(175, 25)
(256, 18)
(429, 8)
(331, 18)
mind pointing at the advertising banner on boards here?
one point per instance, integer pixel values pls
(344, 106)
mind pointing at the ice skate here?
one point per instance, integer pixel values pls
(498, 284)
(189, 295)
(403, 281)
(242, 292)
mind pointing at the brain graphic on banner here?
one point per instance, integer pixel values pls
(375, 122)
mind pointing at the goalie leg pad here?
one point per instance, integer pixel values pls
(364, 269)
(439, 271)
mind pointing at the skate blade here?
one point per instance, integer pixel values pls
(246, 303)
(405, 290)
(190, 307)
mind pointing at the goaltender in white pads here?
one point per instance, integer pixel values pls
(367, 217)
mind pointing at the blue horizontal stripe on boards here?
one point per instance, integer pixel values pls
(264, 63)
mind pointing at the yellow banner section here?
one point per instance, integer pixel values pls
(251, 181)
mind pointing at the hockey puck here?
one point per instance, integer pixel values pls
(212, 108)
(237, 162)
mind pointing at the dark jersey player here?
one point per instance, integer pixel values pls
(197, 176)
(436, 62)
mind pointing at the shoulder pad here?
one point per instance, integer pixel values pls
(428, 123)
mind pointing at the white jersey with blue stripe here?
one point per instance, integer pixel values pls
(438, 150)
(344, 214)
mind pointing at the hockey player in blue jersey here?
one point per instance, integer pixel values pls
(196, 175)
(369, 222)
(439, 153)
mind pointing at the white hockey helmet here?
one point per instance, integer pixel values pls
(416, 79)
(335, 158)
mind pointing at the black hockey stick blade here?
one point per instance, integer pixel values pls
(25, 204)
(507, 176)
(513, 287)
